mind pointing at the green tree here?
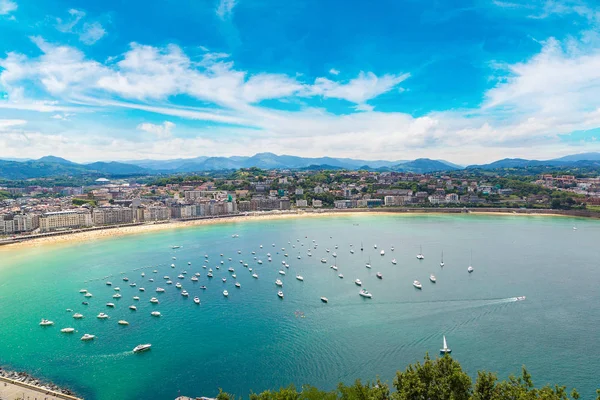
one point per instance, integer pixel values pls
(440, 379)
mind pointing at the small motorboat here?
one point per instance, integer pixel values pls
(379, 275)
(169, 282)
(46, 322)
(83, 291)
(233, 276)
(341, 276)
(154, 300)
(281, 272)
(358, 282)
(324, 299)
(117, 289)
(203, 287)
(470, 269)
(225, 293)
(117, 296)
(300, 277)
(178, 285)
(382, 253)
(77, 316)
(155, 313)
(365, 293)
(197, 300)
(133, 308)
(280, 294)
(255, 276)
(85, 303)
(108, 283)
(125, 279)
(136, 297)
(88, 295)
(194, 279)
(394, 261)
(108, 305)
(142, 289)
(133, 284)
(184, 293)
(87, 337)
(224, 280)
(432, 278)
(67, 330)
(323, 260)
(123, 322)
(102, 316)
(417, 284)
(521, 298)
(142, 347)
(237, 285)
(278, 282)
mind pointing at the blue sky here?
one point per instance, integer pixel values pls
(467, 81)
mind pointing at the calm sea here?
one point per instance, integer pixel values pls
(253, 340)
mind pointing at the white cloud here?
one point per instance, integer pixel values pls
(66, 26)
(225, 8)
(551, 94)
(88, 33)
(7, 7)
(62, 117)
(334, 71)
(92, 32)
(9, 123)
(358, 90)
(160, 131)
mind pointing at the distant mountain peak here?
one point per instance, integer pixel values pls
(54, 159)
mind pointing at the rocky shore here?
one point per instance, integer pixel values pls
(42, 386)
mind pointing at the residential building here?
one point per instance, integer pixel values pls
(156, 213)
(452, 198)
(53, 221)
(112, 215)
(317, 203)
(301, 203)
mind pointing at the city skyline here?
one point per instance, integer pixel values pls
(471, 83)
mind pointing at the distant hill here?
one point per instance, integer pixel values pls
(580, 157)
(423, 165)
(55, 160)
(55, 166)
(116, 168)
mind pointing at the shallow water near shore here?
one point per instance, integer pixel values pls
(253, 340)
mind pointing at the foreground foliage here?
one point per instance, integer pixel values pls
(439, 379)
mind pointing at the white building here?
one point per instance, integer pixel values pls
(65, 219)
(301, 203)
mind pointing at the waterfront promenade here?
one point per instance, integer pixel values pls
(15, 390)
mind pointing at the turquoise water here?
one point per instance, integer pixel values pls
(254, 340)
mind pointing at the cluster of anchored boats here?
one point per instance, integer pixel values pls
(194, 278)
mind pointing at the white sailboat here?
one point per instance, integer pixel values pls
(445, 349)
(470, 269)
(442, 262)
(420, 256)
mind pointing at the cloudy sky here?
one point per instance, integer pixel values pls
(468, 81)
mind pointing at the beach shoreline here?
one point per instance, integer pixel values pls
(98, 233)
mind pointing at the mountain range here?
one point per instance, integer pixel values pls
(55, 166)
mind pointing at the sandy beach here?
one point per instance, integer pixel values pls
(98, 234)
